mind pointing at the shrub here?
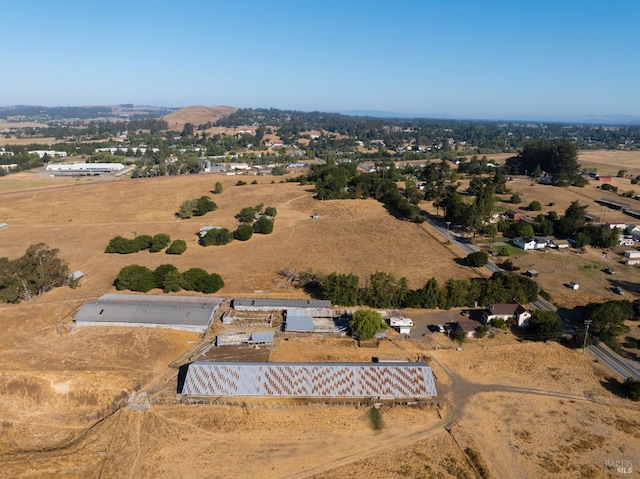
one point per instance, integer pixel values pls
(203, 205)
(160, 242)
(515, 199)
(177, 247)
(375, 416)
(608, 187)
(263, 226)
(270, 211)
(246, 215)
(197, 279)
(498, 323)
(241, 183)
(244, 232)
(535, 206)
(135, 278)
(161, 272)
(219, 236)
(631, 386)
(503, 251)
(622, 173)
(217, 189)
(482, 331)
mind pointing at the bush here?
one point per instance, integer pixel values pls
(459, 335)
(218, 236)
(263, 226)
(243, 233)
(161, 272)
(375, 416)
(177, 247)
(509, 266)
(246, 215)
(608, 187)
(160, 242)
(622, 173)
(503, 251)
(204, 205)
(498, 323)
(135, 278)
(477, 259)
(270, 211)
(482, 331)
(217, 189)
(515, 199)
(535, 206)
(241, 183)
(197, 279)
(631, 387)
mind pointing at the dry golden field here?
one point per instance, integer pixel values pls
(519, 409)
(197, 115)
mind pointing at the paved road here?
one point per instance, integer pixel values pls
(460, 242)
(620, 366)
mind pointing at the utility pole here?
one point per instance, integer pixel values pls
(587, 323)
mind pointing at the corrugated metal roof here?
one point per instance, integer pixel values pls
(279, 304)
(322, 380)
(182, 312)
(299, 323)
(262, 337)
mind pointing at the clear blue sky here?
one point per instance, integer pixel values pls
(461, 58)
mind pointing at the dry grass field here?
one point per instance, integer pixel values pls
(513, 409)
(197, 115)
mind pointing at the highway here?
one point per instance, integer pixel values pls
(622, 367)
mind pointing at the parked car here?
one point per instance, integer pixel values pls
(618, 290)
(608, 271)
(440, 328)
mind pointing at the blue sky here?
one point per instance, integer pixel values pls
(459, 58)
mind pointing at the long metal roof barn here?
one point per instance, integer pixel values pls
(191, 313)
(317, 380)
(249, 304)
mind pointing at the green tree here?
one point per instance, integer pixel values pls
(608, 319)
(187, 208)
(477, 259)
(160, 242)
(535, 206)
(341, 289)
(244, 232)
(366, 323)
(161, 272)
(263, 226)
(246, 215)
(203, 205)
(271, 211)
(197, 279)
(173, 282)
(177, 247)
(218, 236)
(135, 278)
(546, 325)
(631, 387)
(385, 291)
(515, 199)
(217, 189)
(39, 270)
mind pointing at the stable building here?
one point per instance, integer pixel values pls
(309, 380)
(265, 304)
(189, 313)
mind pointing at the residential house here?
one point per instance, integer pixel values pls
(525, 243)
(508, 311)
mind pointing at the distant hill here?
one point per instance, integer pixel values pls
(197, 115)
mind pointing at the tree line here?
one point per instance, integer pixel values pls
(385, 291)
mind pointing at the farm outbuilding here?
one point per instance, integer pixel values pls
(190, 313)
(632, 254)
(310, 380)
(264, 304)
